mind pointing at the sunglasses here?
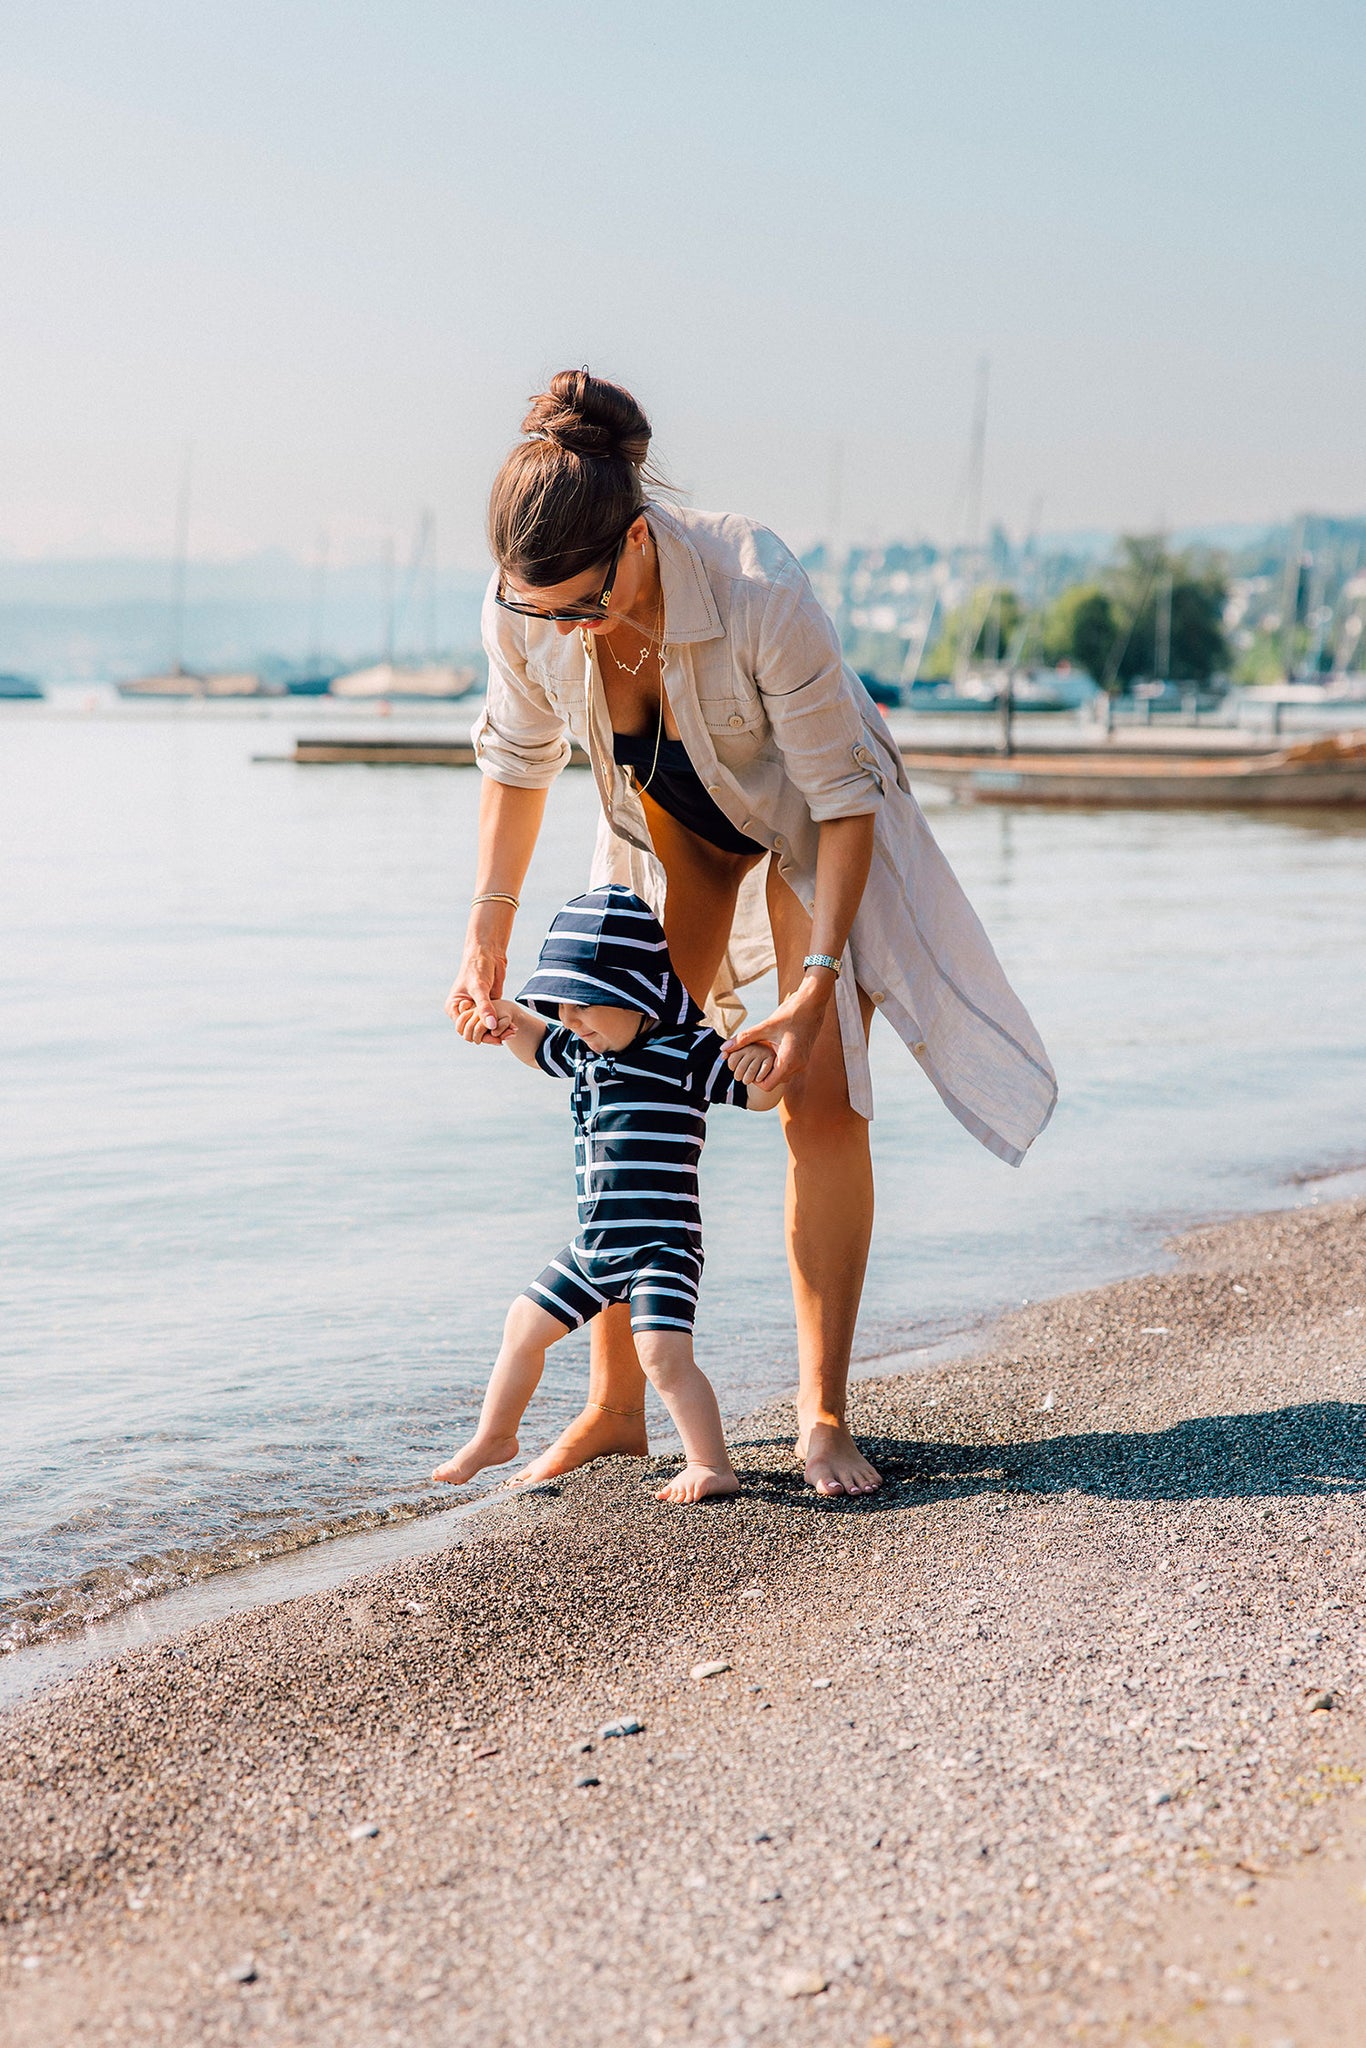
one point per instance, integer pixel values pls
(578, 614)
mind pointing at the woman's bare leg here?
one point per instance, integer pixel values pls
(829, 1221)
(698, 912)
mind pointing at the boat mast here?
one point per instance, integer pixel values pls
(973, 518)
(180, 556)
(313, 658)
(387, 597)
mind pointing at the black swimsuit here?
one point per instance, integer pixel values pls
(676, 787)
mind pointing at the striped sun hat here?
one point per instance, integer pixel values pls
(609, 947)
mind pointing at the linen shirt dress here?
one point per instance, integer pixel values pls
(784, 736)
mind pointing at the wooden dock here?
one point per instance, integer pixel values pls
(387, 753)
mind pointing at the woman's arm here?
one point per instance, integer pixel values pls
(843, 858)
(509, 821)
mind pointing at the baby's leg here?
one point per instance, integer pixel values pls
(667, 1356)
(527, 1335)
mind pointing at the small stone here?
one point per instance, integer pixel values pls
(713, 1669)
(414, 1606)
(627, 1725)
(364, 1831)
(1159, 1798)
(242, 1973)
(579, 1749)
(803, 1984)
(762, 1836)
(768, 1899)
(583, 1784)
(1318, 1702)
(480, 1754)
(821, 1684)
(881, 2041)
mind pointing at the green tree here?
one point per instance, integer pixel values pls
(1080, 627)
(989, 622)
(1114, 626)
(1139, 582)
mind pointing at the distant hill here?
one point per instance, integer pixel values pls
(112, 619)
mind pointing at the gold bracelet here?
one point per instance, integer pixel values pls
(496, 896)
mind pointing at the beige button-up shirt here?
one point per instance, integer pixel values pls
(783, 736)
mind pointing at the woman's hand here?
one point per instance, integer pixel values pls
(474, 992)
(791, 1031)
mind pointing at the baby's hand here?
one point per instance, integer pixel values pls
(472, 1028)
(752, 1064)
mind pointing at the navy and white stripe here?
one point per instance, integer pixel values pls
(609, 947)
(639, 1116)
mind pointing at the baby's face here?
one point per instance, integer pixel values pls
(601, 1026)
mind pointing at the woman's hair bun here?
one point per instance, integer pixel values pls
(588, 416)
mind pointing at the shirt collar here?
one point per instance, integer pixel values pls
(689, 607)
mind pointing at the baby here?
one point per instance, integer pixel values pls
(645, 1066)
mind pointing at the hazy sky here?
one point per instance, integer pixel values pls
(337, 242)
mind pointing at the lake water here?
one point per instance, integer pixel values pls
(264, 1212)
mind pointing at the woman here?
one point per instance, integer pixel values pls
(751, 793)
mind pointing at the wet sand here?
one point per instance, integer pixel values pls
(1022, 1750)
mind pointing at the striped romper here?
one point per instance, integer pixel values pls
(639, 1126)
(640, 1115)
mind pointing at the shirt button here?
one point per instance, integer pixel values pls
(877, 995)
(919, 1046)
(713, 789)
(777, 842)
(735, 719)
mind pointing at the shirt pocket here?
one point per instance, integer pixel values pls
(733, 711)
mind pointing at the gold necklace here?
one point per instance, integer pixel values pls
(654, 639)
(641, 787)
(651, 642)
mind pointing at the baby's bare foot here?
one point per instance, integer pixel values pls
(475, 1455)
(700, 1482)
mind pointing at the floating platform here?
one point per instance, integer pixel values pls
(387, 753)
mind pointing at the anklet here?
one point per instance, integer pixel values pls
(630, 1414)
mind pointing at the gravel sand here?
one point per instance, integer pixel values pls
(1023, 1750)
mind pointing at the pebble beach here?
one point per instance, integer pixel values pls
(1057, 1738)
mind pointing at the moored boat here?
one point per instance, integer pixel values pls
(1323, 772)
(183, 683)
(393, 681)
(20, 689)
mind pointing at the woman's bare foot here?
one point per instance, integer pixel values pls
(474, 1456)
(700, 1482)
(834, 1462)
(596, 1433)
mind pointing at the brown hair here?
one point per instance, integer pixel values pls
(565, 496)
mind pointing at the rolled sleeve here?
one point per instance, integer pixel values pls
(815, 716)
(519, 737)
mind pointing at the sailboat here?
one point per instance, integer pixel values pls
(176, 680)
(391, 680)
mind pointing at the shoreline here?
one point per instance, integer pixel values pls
(989, 1747)
(48, 1627)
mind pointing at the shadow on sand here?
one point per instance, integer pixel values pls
(1316, 1451)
